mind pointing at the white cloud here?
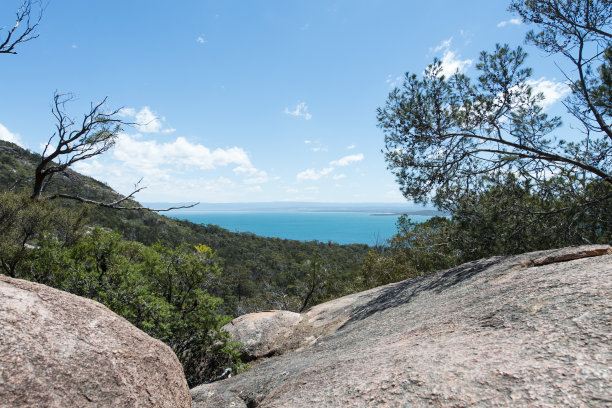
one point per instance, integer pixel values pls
(254, 176)
(514, 21)
(127, 112)
(351, 147)
(346, 160)
(145, 120)
(259, 177)
(307, 141)
(312, 174)
(450, 60)
(339, 176)
(89, 167)
(170, 171)
(250, 171)
(257, 180)
(148, 156)
(319, 149)
(443, 45)
(5, 134)
(255, 189)
(393, 82)
(219, 189)
(201, 40)
(301, 110)
(552, 90)
(395, 194)
(452, 64)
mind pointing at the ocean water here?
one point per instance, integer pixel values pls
(340, 227)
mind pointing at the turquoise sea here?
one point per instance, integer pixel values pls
(340, 227)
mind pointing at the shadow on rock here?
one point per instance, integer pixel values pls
(403, 292)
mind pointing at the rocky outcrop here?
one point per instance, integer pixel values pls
(263, 333)
(61, 350)
(528, 330)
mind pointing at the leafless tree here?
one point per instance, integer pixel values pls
(72, 142)
(24, 29)
(314, 282)
(75, 141)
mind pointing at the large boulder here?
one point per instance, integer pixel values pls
(528, 330)
(61, 350)
(263, 334)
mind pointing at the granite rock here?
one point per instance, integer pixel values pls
(62, 350)
(526, 330)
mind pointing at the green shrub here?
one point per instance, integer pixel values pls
(163, 291)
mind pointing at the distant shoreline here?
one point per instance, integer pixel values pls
(431, 213)
(344, 228)
(375, 209)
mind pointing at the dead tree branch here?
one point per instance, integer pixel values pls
(94, 135)
(23, 30)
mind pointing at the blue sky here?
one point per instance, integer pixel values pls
(244, 101)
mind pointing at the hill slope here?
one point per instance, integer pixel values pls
(525, 330)
(259, 273)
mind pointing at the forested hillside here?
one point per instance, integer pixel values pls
(257, 272)
(480, 145)
(176, 280)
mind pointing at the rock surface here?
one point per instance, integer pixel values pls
(61, 350)
(528, 330)
(263, 333)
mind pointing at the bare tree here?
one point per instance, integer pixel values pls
(75, 141)
(118, 204)
(72, 142)
(24, 29)
(314, 282)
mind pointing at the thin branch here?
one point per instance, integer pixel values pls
(13, 37)
(95, 136)
(585, 93)
(114, 206)
(562, 17)
(564, 209)
(544, 155)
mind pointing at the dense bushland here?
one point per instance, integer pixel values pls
(485, 149)
(164, 291)
(511, 217)
(257, 272)
(177, 281)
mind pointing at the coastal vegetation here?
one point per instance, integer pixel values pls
(176, 280)
(483, 151)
